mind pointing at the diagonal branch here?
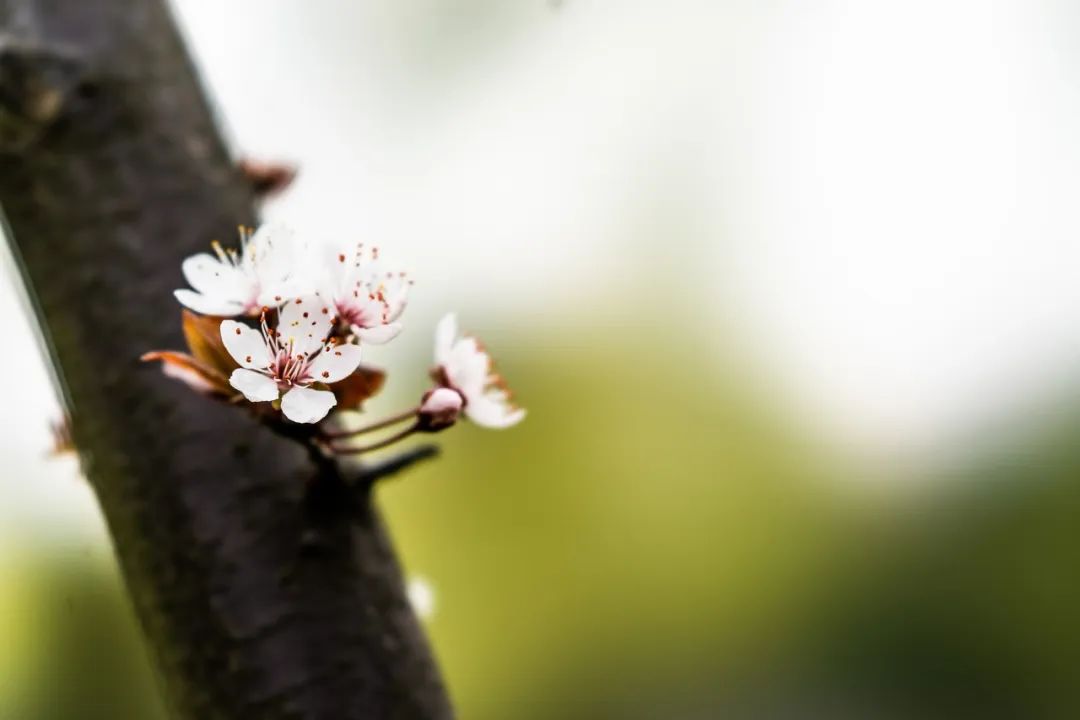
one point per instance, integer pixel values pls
(261, 594)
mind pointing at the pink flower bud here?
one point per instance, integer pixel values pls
(440, 409)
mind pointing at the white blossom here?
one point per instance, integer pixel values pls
(285, 361)
(268, 269)
(367, 297)
(463, 365)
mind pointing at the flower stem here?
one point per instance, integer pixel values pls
(384, 423)
(378, 445)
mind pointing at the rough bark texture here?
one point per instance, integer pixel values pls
(266, 584)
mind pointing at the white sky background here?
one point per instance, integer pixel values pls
(879, 194)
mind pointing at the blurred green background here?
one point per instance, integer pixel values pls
(651, 544)
(789, 292)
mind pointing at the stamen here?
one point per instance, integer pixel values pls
(219, 250)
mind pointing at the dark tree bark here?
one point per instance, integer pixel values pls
(263, 579)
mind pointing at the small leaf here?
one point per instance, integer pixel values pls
(267, 178)
(351, 392)
(203, 336)
(63, 439)
(192, 372)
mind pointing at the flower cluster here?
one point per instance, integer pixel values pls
(281, 325)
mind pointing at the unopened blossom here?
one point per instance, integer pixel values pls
(267, 270)
(440, 408)
(285, 362)
(368, 298)
(464, 366)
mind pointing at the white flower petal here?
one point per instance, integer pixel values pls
(255, 386)
(305, 322)
(379, 334)
(206, 305)
(445, 333)
(245, 344)
(338, 263)
(492, 411)
(399, 299)
(335, 363)
(299, 279)
(276, 293)
(216, 279)
(304, 405)
(467, 367)
(271, 249)
(282, 264)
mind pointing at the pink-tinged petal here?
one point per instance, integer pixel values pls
(305, 323)
(442, 400)
(378, 335)
(256, 387)
(206, 305)
(245, 344)
(363, 307)
(304, 405)
(492, 411)
(445, 332)
(335, 363)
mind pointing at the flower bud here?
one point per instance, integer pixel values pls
(440, 409)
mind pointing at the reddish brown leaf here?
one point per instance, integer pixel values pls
(192, 372)
(203, 335)
(63, 441)
(267, 178)
(351, 392)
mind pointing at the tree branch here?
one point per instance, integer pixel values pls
(261, 594)
(373, 473)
